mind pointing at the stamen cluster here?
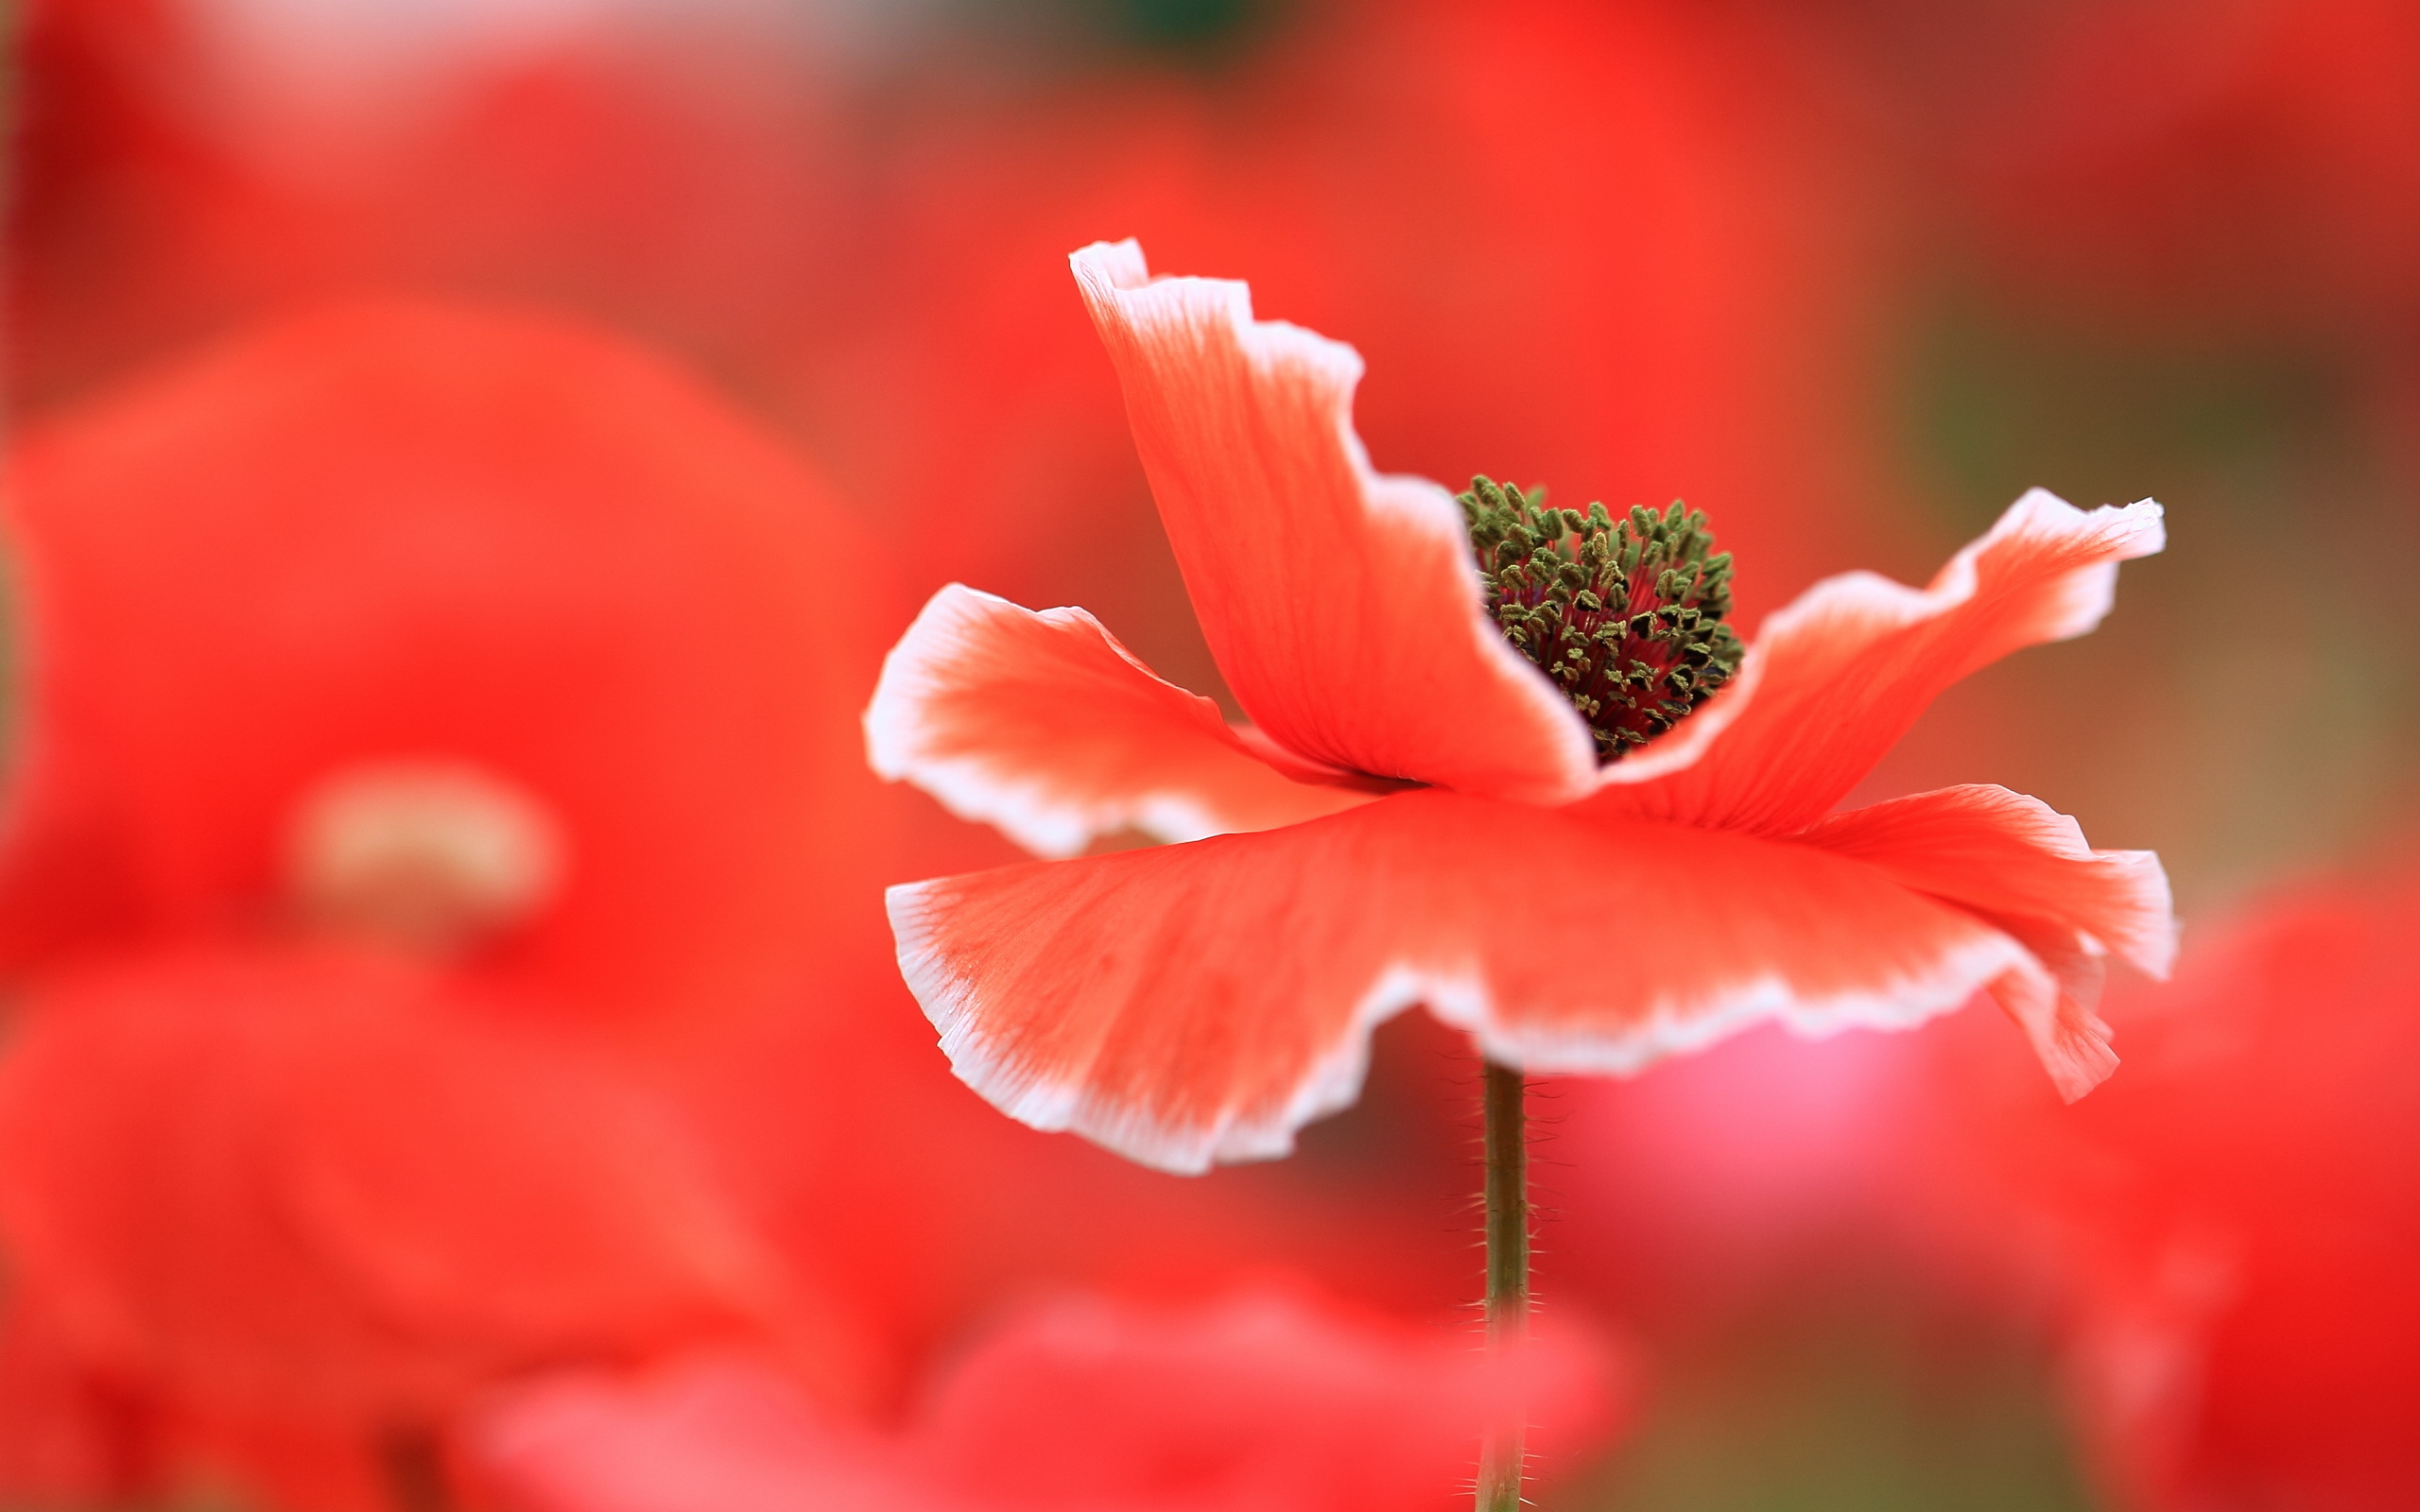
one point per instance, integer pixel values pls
(1625, 615)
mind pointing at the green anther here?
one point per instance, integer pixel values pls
(1648, 589)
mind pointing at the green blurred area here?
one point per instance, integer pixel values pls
(2249, 709)
(1859, 1394)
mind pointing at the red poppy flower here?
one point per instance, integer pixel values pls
(1679, 298)
(2239, 1222)
(1270, 1400)
(1417, 814)
(427, 707)
(204, 1179)
(382, 539)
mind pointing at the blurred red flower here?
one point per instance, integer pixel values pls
(410, 534)
(1646, 279)
(2248, 164)
(186, 164)
(2239, 1220)
(1200, 1001)
(337, 1192)
(426, 706)
(1270, 1400)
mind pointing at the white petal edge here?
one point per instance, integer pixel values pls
(1045, 821)
(1988, 961)
(1685, 1026)
(1332, 1085)
(2088, 597)
(1115, 272)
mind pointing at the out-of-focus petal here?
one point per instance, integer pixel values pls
(1270, 1400)
(322, 1185)
(713, 1434)
(66, 873)
(1834, 679)
(2236, 1219)
(70, 1434)
(1198, 1004)
(1343, 607)
(409, 530)
(1044, 725)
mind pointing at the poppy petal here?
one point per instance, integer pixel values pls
(1044, 725)
(402, 529)
(727, 1432)
(1272, 1398)
(2008, 854)
(1343, 607)
(2059, 1011)
(326, 1185)
(2026, 867)
(1834, 679)
(1198, 1004)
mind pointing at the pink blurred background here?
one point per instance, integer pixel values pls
(724, 332)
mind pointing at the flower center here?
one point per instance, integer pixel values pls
(1625, 615)
(434, 857)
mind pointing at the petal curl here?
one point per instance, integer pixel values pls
(1834, 679)
(2058, 1011)
(1198, 1004)
(2025, 866)
(1343, 607)
(1044, 725)
(2014, 855)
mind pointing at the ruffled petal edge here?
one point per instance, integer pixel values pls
(1042, 724)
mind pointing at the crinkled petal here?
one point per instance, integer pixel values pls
(1834, 679)
(1044, 725)
(2026, 867)
(1198, 1004)
(2059, 1012)
(1343, 607)
(2009, 854)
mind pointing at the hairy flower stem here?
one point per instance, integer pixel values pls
(1501, 1457)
